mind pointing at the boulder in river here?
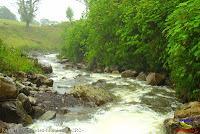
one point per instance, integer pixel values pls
(8, 89)
(40, 80)
(25, 102)
(155, 79)
(92, 94)
(142, 76)
(3, 127)
(64, 61)
(47, 69)
(38, 111)
(129, 74)
(49, 115)
(188, 110)
(115, 72)
(23, 89)
(13, 112)
(186, 120)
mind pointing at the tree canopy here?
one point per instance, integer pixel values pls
(27, 9)
(69, 14)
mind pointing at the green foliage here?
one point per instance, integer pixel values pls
(145, 35)
(5, 13)
(12, 60)
(74, 47)
(183, 31)
(69, 14)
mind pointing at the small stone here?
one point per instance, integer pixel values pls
(49, 115)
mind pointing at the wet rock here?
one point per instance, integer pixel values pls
(98, 70)
(92, 94)
(13, 112)
(81, 66)
(32, 100)
(171, 125)
(69, 65)
(187, 117)
(49, 115)
(33, 93)
(100, 83)
(188, 110)
(25, 102)
(66, 130)
(107, 70)
(8, 89)
(43, 80)
(38, 111)
(47, 69)
(142, 76)
(25, 90)
(3, 127)
(129, 74)
(115, 72)
(21, 75)
(64, 110)
(64, 61)
(155, 79)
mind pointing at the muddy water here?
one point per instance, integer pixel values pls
(141, 108)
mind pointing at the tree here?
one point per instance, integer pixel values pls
(5, 13)
(69, 14)
(27, 9)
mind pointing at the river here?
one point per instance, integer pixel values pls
(141, 110)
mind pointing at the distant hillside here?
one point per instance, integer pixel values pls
(15, 34)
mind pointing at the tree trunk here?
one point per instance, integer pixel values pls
(27, 24)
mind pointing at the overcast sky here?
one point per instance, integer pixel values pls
(54, 10)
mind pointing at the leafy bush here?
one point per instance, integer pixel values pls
(145, 35)
(12, 60)
(183, 30)
(75, 40)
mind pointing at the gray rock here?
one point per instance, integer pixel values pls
(92, 94)
(25, 102)
(38, 111)
(142, 76)
(13, 112)
(155, 79)
(129, 74)
(49, 115)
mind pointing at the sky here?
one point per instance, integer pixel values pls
(54, 10)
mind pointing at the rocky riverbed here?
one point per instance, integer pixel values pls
(69, 99)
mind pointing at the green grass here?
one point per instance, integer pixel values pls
(12, 60)
(15, 34)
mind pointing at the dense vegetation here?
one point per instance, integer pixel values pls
(15, 34)
(145, 35)
(12, 60)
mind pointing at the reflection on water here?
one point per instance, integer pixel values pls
(141, 109)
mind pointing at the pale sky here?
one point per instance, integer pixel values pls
(54, 10)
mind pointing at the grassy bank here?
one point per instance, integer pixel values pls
(16, 35)
(12, 60)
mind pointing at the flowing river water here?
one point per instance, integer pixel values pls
(141, 109)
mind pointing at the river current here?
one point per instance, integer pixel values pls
(141, 108)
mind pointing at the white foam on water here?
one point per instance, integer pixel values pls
(128, 116)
